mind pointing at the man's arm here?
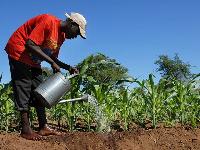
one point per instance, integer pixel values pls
(71, 69)
(35, 49)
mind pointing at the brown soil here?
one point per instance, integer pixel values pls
(163, 138)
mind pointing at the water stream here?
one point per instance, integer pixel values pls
(100, 113)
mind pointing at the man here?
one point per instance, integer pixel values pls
(36, 40)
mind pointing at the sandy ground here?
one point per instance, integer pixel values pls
(175, 138)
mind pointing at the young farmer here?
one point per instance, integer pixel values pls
(38, 39)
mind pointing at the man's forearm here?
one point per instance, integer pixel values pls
(35, 49)
(61, 64)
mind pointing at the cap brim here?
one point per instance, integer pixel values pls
(82, 33)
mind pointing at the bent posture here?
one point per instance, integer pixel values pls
(39, 39)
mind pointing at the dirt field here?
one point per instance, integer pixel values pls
(175, 138)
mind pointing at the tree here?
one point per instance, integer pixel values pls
(104, 70)
(175, 67)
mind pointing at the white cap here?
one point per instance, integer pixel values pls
(80, 20)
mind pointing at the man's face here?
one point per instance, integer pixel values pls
(73, 31)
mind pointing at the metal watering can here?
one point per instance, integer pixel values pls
(54, 88)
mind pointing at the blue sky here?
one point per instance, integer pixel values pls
(134, 32)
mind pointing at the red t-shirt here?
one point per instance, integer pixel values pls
(44, 30)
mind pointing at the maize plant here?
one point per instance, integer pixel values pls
(6, 105)
(168, 101)
(154, 97)
(125, 108)
(185, 96)
(139, 106)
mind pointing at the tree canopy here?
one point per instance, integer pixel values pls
(176, 67)
(104, 70)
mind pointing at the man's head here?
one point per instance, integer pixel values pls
(77, 20)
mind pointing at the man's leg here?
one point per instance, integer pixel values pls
(27, 132)
(44, 128)
(21, 82)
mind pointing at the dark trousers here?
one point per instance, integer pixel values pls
(24, 80)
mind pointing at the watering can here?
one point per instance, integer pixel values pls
(54, 88)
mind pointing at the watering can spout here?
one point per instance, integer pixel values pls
(83, 98)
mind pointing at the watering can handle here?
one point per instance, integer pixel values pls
(54, 71)
(71, 76)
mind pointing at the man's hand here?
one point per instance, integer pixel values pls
(58, 64)
(73, 70)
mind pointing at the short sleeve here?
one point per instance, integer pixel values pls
(40, 33)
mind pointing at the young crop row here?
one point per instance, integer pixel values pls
(169, 101)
